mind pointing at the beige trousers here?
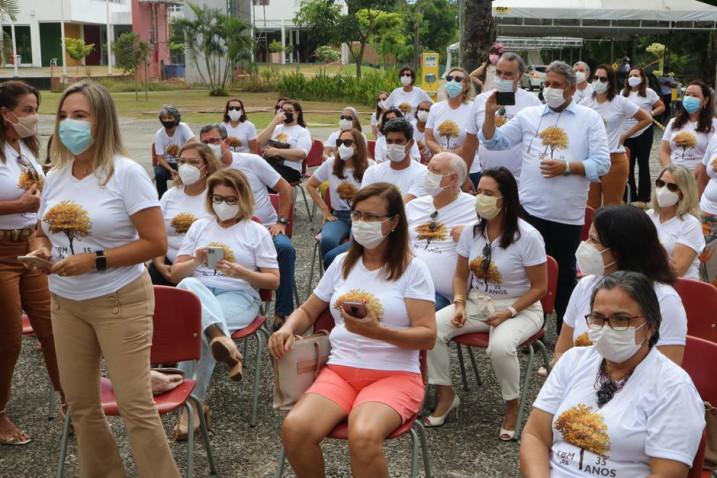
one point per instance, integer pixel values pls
(117, 327)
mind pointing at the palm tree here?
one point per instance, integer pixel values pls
(477, 31)
(8, 11)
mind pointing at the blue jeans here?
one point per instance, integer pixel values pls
(331, 255)
(475, 178)
(161, 176)
(286, 255)
(334, 232)
(230, 310)
(441, 302)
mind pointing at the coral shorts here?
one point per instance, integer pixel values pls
(349, 387)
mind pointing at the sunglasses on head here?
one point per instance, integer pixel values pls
(234, 108)
(347, 142)
(670, 186)
(602, 79)
(456, 78)
(346, 117)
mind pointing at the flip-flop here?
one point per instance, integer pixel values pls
(17, 439)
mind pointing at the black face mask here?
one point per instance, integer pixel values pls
(169, 124)
(288, 118)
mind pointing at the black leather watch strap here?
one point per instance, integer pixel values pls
(100, 261)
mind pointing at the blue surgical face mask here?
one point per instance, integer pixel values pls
(76, 135)
(691, 104)
(453, 89)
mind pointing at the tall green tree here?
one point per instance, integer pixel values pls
(322, 18)
(478, 32)
(360, 25)
(8, 13)
(131, 52)
(433, 25)
(389, 37)
(78, 49)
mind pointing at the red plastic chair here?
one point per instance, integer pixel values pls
(176, 337)
(481, 340)
(155, 161)
(372, 149)
(413, 426)
(585, 233)
(700, 301)
(257, 329)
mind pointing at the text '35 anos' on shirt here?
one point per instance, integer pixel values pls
(575, 134)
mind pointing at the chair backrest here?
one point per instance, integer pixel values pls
(548, 300)
(699, 354)
(276, 202)
(372, 149)
(316, 154)
(177, 325)
(585, 233)
(155, 161)
(700, 302)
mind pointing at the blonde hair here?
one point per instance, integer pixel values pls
(685, 180)
(235, 179)
(105, 130)
(467, 92)
(210, 161)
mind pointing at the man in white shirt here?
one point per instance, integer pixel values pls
(262, 176)
(167, 141)
(436, 220)
(511, 68)
(564, 148)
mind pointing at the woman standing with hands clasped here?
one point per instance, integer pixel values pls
(101, 222)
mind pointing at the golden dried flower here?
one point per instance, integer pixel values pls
(492, 275)
(233, 141)
(182, 221)
(69, 218)
(360, 295)
(346, 191)
(172, 150)
(27, 179)
(439, 232)
(449, 129)
(282, 138)
(685, 139)
(584, 429)
(499, 121)
(554, 137)
(228, 253)
(583, 340)
(405, 107)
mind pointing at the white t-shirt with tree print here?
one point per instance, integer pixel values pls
(180, 210)
(687, 146)
(341, 191)
(17, 174)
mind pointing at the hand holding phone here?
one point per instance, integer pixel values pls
(355, 309)
(36, 262)
(214, 255)
(505, 95)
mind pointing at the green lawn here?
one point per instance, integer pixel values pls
(197, 106)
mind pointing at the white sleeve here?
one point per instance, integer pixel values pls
(691, 234)
(158, 143)
(652, 96)
(391, 98)
(187, 132)
(303, 142)
(574, 311)
(327, 285)
(138, 192)
(266, 174)
(368, 176)
(668, 131)
(380, 150)
(331, 140)
(673, 329)
(252, 130)
(463, 248)
(416, 188)
(532, 248)
(322, 172)
(629, 109)
(555, 388)
(189, 241)
(476, 116)
(711, 155)
(415, 153)
(675, 424)
(423, 96)
(432, 113)
(265, 253)
(418, 282)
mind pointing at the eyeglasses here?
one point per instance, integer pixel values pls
(487, 253)
(191, 162)
(367, 216)
(347, 142)
(670, 186)
(229, 201)
(456, 78)
(602, 79)
(406, 76)
(618, 321)
(234, 108)
(213, 141)
(346, 117)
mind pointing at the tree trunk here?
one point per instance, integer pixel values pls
(359, 58)
(478, 31)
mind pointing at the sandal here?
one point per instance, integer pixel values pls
(181, 429)
(225, 350)
(17, 438)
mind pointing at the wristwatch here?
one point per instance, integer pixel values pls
(567, 168)
(283, 220)
(100, 261)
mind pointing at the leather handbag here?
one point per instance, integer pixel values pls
(298, 368)
(711, 445)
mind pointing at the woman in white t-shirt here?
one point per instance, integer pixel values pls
(184, 204)
(583, 88)
(241, 132)
(615, 110)
(619, 408)
(640, 143)
(21, 181)
(373, 375)
(504, 258)
(344, 172)
(688, 133)
(376, 115)
(287, 141)
(380, 147)
(419, 130)
(407, 97)
(447, 120)
(611, 246)
(349, 119)
(708, 201)
(227, 282)
(675, 213)
(100, 222)
(167, 141)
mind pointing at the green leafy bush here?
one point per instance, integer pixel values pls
(340, 87)
(327, 54)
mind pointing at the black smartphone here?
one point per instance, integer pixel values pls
(505, 98)
(355, 309)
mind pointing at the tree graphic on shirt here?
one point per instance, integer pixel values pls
(182, 221)
(346, 191)
(500, 120)
(583, 340)
(585, 429)
(449, 129)
(172, 150)
(70, 219)
(554, 138)
(282, 138)
(28, 178)
(360, 295)
(233, 142)
(405, 107)
(488, 274)
(685, 140)
(432, 231)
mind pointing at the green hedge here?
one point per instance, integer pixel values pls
(341, 87)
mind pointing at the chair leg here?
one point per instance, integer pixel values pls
(544, 353)
(190, 437)
(424, 448)
(259, 336)
(282, 461)
(524, 393)
(244, 347)
(463, 367)
(205, 438)
(306, 203)
(63, 444)
(414, 453)
(475, 367)
(314, 255)
(296, 294)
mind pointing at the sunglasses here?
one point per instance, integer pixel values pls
(670, 186)
(456, 78)
(602, 79)
(487, 252)
(234, 108)
(345, 117)
(346, 142)
(433, 225)
(31, 172)
(229, 201)
(424, 109)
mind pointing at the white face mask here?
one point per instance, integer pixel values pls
(368, 234)
(432, 183)
(217, 150)
(345, 152)
(599, 87)
(189, 174)
(553, 97)
(422, 116)
(616, 346)
(589, 259)
(406, 80)
(225, 212)
(234, 115)
(665, 197)
(580, 77)
(487, 206)
(396, 152)
(25, 126)
(345, 124)
(634, 81)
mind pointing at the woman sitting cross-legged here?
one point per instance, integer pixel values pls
(230, 293)
(619, 408)
(373, 375)
(505, 258)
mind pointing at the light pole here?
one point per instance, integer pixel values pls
(62, 40)
(109, 40)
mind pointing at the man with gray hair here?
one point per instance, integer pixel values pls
(167, 141)
(509, 72)
(582, 80)
(563, 148)
(435, 220)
